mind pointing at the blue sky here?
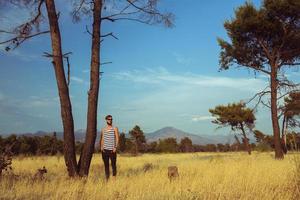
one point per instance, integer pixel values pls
(158, 77)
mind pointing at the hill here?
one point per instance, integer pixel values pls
(196, 139)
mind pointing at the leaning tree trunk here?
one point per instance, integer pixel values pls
(91, 131)
(237, 142)
(274, 113)
(63, 90)
(246, 140)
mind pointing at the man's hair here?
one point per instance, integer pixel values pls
(108, 116)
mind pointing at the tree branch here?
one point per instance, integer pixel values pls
(289, 64)
(252, 67)
(148, 9)
(105, 63)
(265, 49)
(127, 18)
(151, 12)
(109, 34)
(87, 30)
(259, 95)
(8, 32)
(15, 40)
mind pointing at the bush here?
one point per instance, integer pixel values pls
(263, 147)
(5, 160)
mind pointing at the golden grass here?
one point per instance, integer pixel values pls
(202, 176)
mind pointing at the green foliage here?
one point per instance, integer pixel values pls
(292, 109)
(138, 138)
(32, 145)
(152, 147)
(293, 141)
(223, 148)
(266, 142)
(167, 145)
(263, 147)
(186, 145)
(235, 115)
(122, 142)
(238, 117)
(259, 136)
(261, 36)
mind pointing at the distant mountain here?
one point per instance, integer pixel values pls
(196, 139)
(163, 133)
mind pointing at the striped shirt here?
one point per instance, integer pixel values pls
(109, 140)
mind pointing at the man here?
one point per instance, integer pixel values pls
(108, 143)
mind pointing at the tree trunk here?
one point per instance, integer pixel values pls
(283, 134)
(274, 113)
(237, 142)
(91, 131)
(63, 90)
(245, 140)
(136, 146)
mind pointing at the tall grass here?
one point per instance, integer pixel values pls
(201, 176)
(297, 175)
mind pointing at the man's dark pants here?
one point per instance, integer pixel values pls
(106, 155)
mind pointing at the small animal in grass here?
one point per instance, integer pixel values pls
(39, 175)
(172, 172)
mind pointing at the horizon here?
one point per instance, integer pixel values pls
(146, 133)
(159, 77)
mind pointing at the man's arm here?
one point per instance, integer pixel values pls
(101, 140)
(117, 137)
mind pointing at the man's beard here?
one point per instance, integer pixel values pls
(109, 123)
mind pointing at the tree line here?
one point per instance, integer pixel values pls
(34, 145)
(135, 143)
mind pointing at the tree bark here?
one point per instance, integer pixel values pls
(63, 90)
(283, 134)
(136, 146)
(91, 131)
(238, 142)
(245, 140)
(274, 113)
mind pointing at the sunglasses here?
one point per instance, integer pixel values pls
(109, 119)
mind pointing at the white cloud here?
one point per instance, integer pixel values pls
(182, 99)
(202, 118)
(78, 80)
(36, 102)
(161, 75)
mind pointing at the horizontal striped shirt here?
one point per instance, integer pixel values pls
(109, 140)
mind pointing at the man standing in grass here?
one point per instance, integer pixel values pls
(108, 144)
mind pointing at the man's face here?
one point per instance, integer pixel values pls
(109, 120)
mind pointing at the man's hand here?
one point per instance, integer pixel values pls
(101, 149)
(114, 149)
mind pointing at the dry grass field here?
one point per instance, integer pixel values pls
(201, 176)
